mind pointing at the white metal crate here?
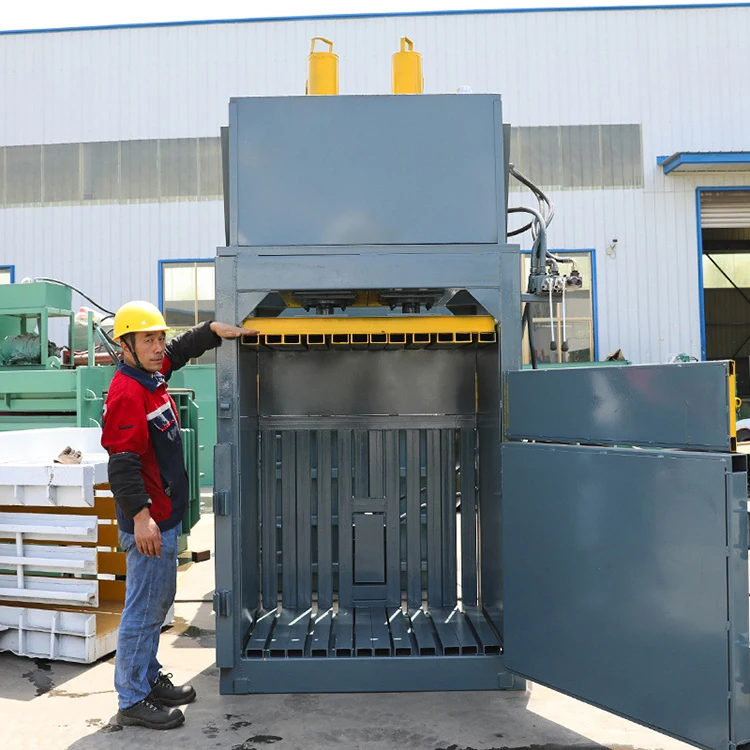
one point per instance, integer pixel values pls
(29, 476)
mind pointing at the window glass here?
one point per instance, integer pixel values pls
(542, 161)
(61, 173)
(5, 275)
(178, 161)
(579, 156)
(622, 160)
(735, 265)
(210, 184)
(23, 174)
(139, 170)
(188, 296)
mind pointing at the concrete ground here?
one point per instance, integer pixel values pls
(51, 705)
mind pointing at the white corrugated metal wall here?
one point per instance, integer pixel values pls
(667, 69)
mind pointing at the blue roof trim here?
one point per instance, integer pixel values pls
(681, 158)
(405, 14)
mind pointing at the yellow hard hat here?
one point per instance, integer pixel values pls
(137, 316)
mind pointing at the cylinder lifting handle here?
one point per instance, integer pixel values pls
(552, 343)
(564, 344)
(404, 41)
(320, 39)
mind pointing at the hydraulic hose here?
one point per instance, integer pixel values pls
(76, 290)
(539, 250)
(541, 197)
(527, 321)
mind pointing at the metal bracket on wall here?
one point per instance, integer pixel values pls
(221, 503)
(223, 603)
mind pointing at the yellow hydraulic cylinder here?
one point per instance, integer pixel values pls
(322, 70)
(407, 69)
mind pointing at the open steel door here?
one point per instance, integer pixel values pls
(625, 544)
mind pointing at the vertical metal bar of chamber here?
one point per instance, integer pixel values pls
(392, 520)
(346, 548)
(434, 500)
(268, 519)
(468, 518)
(376, 463)
(413, 521)
(304, 523)
(361, 464)
(450, 550)
(325, 549)
(288, 522)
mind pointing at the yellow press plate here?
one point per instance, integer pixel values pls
(406, 324)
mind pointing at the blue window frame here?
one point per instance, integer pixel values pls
(7, 274)
(187, 295)
(581, 315)
(701, 255)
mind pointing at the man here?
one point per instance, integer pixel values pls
(147, 476)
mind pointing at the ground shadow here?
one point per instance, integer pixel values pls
(24, 678)
(375, 721)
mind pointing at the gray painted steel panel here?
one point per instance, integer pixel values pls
(616, 582)
(373, 675)
(369, 271)
(336, 173)
(409, 381)
(670, 406)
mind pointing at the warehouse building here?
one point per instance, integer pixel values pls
(633, 120)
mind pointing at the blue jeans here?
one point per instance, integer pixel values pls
(150, 587)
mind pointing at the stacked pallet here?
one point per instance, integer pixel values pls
(62, 584)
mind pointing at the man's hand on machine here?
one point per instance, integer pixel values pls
(228, 331)
(147, 534)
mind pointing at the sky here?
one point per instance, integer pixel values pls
(49, 14)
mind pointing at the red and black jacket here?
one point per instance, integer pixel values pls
(141, 433)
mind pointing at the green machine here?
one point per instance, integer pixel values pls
(43, 385)
(38, 387)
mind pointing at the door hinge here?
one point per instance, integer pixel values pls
(221, 503)
(223, 603)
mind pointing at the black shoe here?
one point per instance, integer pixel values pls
(149, 713)
(164, 691)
